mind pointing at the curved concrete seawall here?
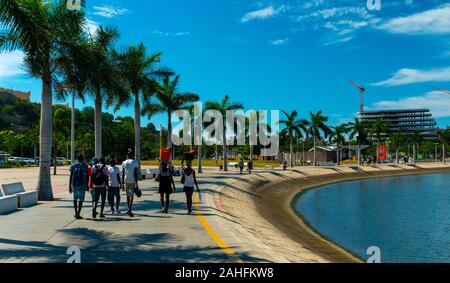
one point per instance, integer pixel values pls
(257, 214)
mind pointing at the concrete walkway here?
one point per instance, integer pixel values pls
(231, 222)
(44, 233)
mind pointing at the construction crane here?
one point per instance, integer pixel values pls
(443, 90)
(362, 90)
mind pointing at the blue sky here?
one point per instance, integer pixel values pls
(287, 54)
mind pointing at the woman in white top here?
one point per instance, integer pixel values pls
(189, 181)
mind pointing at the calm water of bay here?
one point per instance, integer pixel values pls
(408, 218)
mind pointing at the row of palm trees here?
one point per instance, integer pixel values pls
(359, 132)
(71, 61)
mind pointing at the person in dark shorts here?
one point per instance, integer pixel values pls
(166, 186)
(189, 181)
(78, 184)
(114, 186)
(100, 180)
(250, 166)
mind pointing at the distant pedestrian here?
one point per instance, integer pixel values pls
(78, 184)
(250, 166)
(241, 166)
(114, 186)
(189, 181)
(100, 180)
(130, 180)
(166, 186)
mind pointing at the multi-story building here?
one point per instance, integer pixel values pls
(406, 121)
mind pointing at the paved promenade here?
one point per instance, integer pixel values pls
(44, 233)
(236, 219)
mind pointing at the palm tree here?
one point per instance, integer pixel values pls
(73, 68)
(377, 130)
(223, 106)
(444, 136)
(140, 72)
(294, 127)
(105, 82)
(416, 139)
(397, 140)
(359, 130)
(37, 27)
(317, 124)
(337, 136)
(169, 100)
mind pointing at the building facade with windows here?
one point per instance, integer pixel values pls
(406, 121)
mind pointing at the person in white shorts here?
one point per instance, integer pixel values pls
(130, 180)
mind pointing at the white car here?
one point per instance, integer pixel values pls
(13, 159)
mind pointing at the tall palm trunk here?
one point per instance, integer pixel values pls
(397, 153)
(315, 147)
(338, 154)
(225, 152)
(98, 126)
(414, 153)
(291, 151)
(200, 169)
(359, 153)
(72, 131)
(137, 131)
(44, 185)
(443, 152)
(251, 153)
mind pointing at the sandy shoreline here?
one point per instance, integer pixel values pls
(262, 205)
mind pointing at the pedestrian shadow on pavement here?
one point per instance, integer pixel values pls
(101, 246)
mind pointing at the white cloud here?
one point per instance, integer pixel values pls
(11, 64)
(109, 11)
(280, 41)
(262, 13)
(168, 34)
(410, 76)
(434, 21)
(339, 40)
(436, 101)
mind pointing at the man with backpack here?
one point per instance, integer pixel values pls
(99, 179)
(78, 184)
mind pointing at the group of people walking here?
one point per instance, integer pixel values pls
(106, 183)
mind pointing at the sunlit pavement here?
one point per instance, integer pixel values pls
(44, 233)
(224, 228)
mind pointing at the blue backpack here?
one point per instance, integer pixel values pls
(79, 177)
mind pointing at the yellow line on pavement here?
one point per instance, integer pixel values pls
(213, 234)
